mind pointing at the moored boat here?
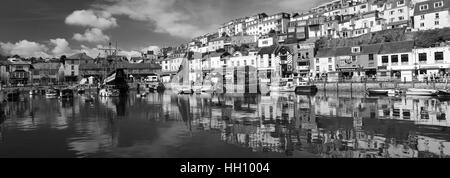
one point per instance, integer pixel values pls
(305, 88)
(52, 93)
(444, 93)
(383, 92)
(285, 86)
(422, 92)
(66, 94)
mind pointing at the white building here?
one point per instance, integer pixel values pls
(278, 22)
(432, 14)
(325, 62)
(397, 13)
(396, 60)
(433, 61)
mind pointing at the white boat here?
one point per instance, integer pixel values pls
(421, 92)
(107, 92)
(286, 86)
(52, 93)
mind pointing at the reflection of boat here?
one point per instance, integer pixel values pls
(421, 92)
(185, 90)
(52, 93)
(109, 92)
(13, 95)
(383, 91)
(305, 88)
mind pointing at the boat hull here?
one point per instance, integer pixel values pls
(421, 92)
(306, 89)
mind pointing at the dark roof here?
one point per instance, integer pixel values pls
(371, 49)
(268, 50)
(326, 52)
(397, 47)
(345, 51)
(49, 66)
(431, 8)
(80, 56)
(282, 48)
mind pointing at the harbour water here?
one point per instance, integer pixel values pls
(340, 125)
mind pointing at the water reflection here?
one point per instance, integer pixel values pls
(330, 125)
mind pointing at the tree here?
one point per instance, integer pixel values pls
(62, 59)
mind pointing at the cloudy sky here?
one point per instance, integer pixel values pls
(56, 27)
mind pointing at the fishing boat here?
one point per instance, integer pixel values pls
(422, 92)
(109, 92)
(376, 92)
(305, 88)
(52, 93)
(66, 94)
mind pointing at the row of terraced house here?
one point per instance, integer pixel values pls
(285, 44)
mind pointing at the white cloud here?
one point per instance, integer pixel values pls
(25, 48)
(93, 19)
(162, 13)
(61, 47)
(93, 35)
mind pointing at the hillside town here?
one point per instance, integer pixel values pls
(382, 40)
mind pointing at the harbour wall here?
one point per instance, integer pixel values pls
(362, 87)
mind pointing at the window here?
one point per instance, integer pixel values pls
(438, 4)
(317, 61)
(270, 63)
(439, 56)
(394, 58)
(400, 11)
(356, 49)
(436, 22)
(401, 18)
(73, 73)
(330, 60)
(72, 67)
(422, 17)
(401, 2)
(253, 62)
(330, 68)
(385, 59)
(423, 7)
(370, 57)
(317, 68)
(422, 25)
(437, 15)
(392, 12)
(423, 57)
(405, 58)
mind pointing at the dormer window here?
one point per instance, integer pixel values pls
(423, 7)
(438, 4)
(356, 49)
(400, 2)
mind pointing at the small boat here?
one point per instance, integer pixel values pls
(52, 93)
(108, 92)
(286, 86)
(376, 92)
(443, 94)
(66, 94)
(305, 88)
(81, 91)
(34, 92)
(422, 92)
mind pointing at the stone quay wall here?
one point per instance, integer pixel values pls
(362, 87)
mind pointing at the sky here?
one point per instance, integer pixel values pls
(47, 28)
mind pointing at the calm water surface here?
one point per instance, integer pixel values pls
(341, 125)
